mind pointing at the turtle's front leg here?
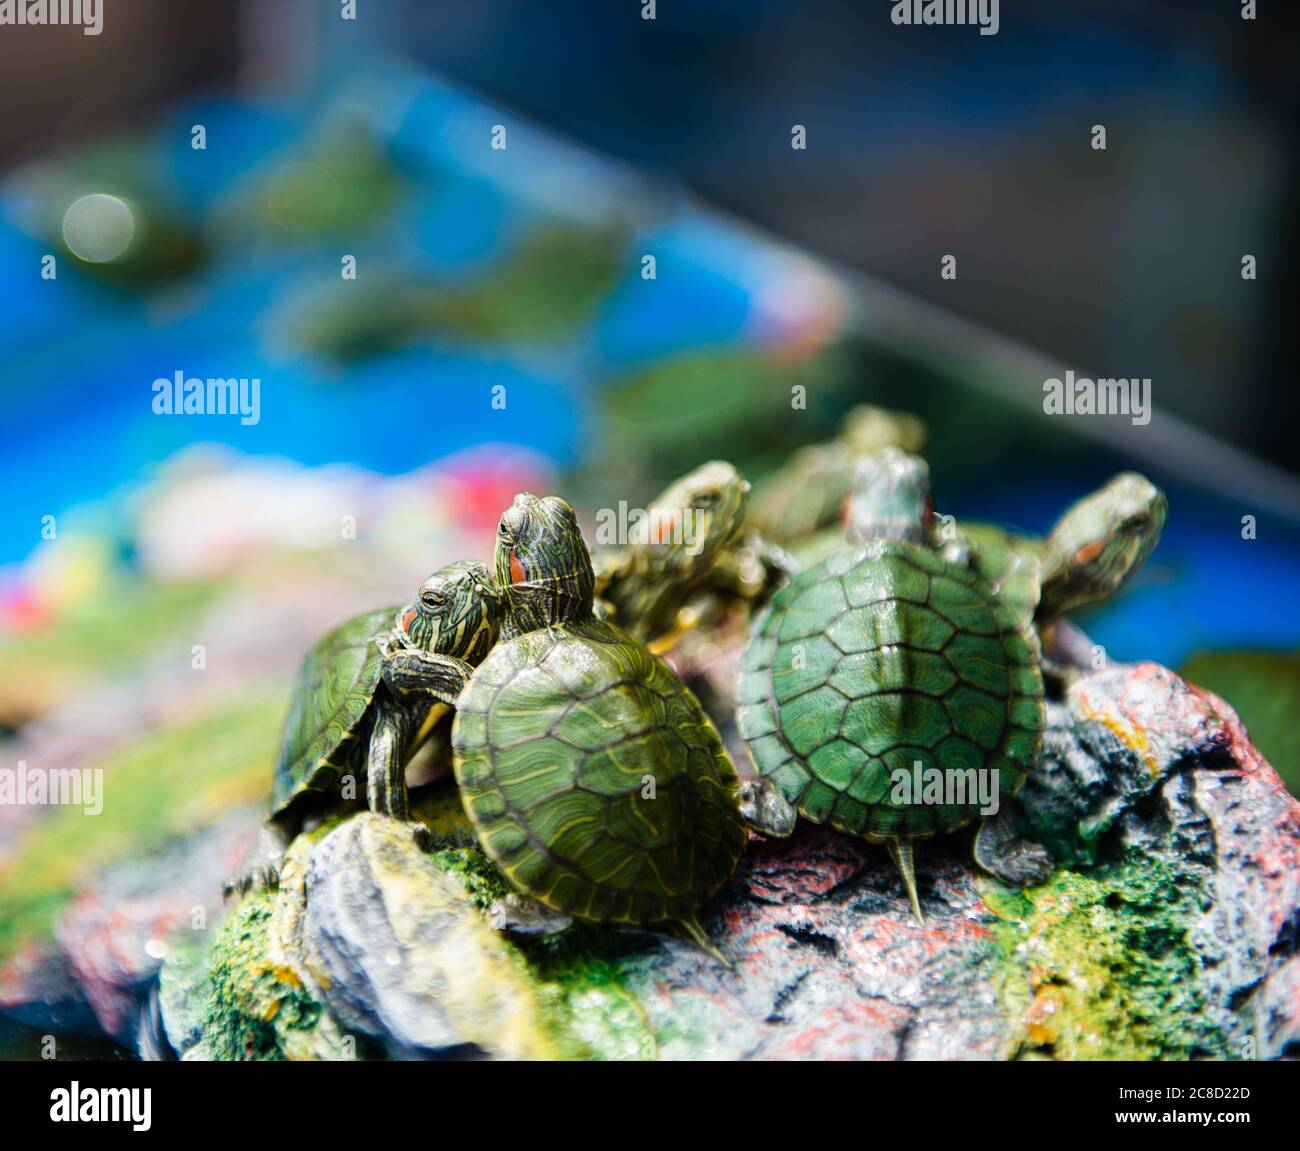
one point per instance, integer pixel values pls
(433, 674)
(397, 722)
(262, 868)
(390, 745)
(779, 567)
(1001, 850)
(753, 571)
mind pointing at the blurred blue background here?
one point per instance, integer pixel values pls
(521, 267)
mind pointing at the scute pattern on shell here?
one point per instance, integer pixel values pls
(555, 736)
(876, 658)
(335, 685)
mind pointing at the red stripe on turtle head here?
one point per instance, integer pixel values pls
(663, 525)
(1090, 551)
(517, 573)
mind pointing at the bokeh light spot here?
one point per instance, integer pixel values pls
(99, 228)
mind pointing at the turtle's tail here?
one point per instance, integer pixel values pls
(689, 928)
(901, 852)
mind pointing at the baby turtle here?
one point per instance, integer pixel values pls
(883, 657)
(807, 494)
(366, 696)
(951, 677)
(689, 560)
(591, 774)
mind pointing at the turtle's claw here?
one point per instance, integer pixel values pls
(523, 915)
(1027, 865)
(235, 888)
(1002, 851)
(266, 877)
(422, 837)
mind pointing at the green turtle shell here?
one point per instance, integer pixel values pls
(559, 736)
(329, 709)
(877, 658)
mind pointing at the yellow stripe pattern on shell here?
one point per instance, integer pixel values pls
(594, 778)
(334, 688)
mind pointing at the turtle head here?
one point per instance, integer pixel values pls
(693, 519)
(867, 429)
(542, 563)
(890, 498)
(1101, 541)
(457, 611)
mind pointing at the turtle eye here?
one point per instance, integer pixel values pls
(706, 500)
(432, 598)
(503, 529)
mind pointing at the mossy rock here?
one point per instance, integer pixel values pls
(1101, 964)
(372, 946)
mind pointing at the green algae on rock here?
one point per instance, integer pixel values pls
(258, 1007)
(583, 1001)
(232, 993)
(1100, 964)
(1168, 935)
